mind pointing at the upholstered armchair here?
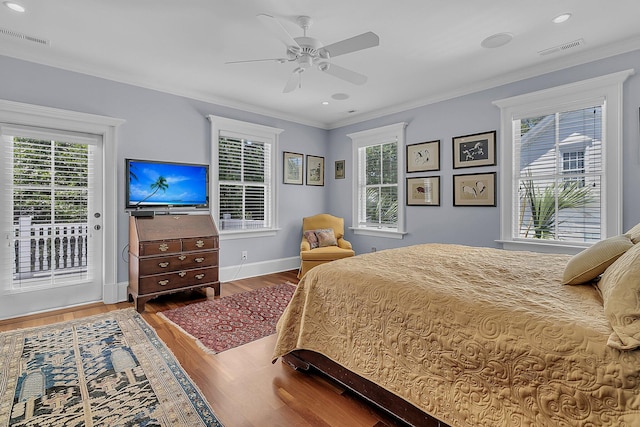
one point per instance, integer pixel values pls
(322, 241)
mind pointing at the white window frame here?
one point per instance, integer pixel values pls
(245, 130)
(606, 90)
(377, 136)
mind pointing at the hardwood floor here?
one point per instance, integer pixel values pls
(242, 385)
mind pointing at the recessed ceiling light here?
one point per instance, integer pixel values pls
(325, 102)
(496, 40)
(15, 6)
(561, 18)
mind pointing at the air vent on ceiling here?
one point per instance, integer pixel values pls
(17, 35)
(562, 47)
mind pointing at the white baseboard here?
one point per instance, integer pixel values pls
(117, 292)
(244, 270)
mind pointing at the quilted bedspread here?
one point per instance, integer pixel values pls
(472, 336)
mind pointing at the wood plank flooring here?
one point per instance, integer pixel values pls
(242, 385)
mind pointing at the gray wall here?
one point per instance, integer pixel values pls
(474, 113)
(167, 127)
(163, 126)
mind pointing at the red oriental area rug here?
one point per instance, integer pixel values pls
(228, 322)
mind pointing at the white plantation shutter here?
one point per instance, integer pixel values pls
(378, 158)
(378, 182)
(244, 185)
(560, 176)
(46, 204)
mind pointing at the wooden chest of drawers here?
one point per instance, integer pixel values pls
(171, 253)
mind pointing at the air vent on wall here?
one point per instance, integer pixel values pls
(562, 47)
(17, 35)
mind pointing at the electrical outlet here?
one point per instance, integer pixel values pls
(244, 255)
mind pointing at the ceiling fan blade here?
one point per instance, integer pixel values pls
(280, 60)
(363, 41)
(277, 29)
(294, 81)
(343, 73)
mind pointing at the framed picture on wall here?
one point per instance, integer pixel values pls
(315, 170)
(339, 169)
(474, 189)
(423, 157)
(474, 150)
(423, 191)
(292, 168)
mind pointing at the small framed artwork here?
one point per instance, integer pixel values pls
(474, 150)
(423, 157)
(339, 169)
(423, 191)
(474, 189)
(292, 168)
(315, 170)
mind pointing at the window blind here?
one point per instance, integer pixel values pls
(46, 202)
(559, 179)
(244, 183)
(378, 185)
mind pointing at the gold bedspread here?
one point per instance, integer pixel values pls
(472, 336)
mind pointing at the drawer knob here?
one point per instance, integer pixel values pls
(199, 276)
(163, 247)
(182, 257)
(163, 282)
(200, 243)
(163, 264)
(199, 259)
(182, 274)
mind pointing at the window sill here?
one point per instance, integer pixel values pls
(543, 247)
(247, 234)
(389, 234)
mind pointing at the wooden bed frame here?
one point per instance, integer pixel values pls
(306, 360)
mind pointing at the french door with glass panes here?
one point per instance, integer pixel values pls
(51, 219)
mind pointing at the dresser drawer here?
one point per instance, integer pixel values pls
(199, 259)
(176, 280)
(200, 243)
(162, 264)
(160, 247)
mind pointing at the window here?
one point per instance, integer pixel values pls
(561, 157)
(244, 185)
(378, 157)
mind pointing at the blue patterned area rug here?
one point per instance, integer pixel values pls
(105, 370)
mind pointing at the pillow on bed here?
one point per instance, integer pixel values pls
(620, 289)
(634, 234)
(592, 262)
(311, 238)
(326, 238)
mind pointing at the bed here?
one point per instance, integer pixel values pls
(465, 336)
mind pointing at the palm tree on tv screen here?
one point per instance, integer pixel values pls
(159, 184)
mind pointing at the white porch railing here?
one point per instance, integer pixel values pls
(43, 248)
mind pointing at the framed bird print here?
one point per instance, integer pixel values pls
(474, 150)
(423, 191)
(474, 189)
(423, 157)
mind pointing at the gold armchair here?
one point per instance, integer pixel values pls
(326, 246)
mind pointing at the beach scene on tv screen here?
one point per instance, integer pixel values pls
(167, 184)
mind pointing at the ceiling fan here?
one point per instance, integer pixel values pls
(307, 52)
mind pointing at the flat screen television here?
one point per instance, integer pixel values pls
(157, 185)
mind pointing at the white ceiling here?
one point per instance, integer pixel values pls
(429, 49)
